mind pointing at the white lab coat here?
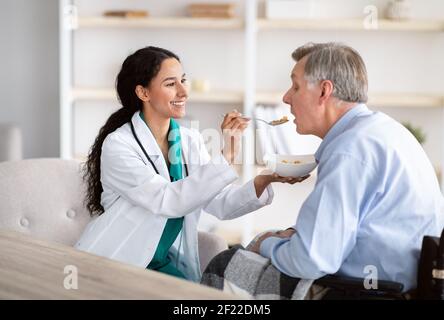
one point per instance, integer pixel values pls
(138, 202)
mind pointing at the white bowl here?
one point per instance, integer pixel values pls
(285, 166)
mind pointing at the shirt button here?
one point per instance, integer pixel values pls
(71, 214)
(24, 222)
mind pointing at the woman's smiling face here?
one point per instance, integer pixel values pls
(168, 91)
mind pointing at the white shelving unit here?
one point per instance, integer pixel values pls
(250, 26)
(167, 23)
(351, 25)
(66, 14)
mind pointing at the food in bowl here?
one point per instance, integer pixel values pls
(294, 161)
(290, 165)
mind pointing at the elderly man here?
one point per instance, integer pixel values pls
(375, 198)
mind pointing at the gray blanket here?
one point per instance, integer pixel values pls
(251, 276)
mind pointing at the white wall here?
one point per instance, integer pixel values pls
(29, 73)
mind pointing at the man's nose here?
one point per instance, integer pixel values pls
(285, 98)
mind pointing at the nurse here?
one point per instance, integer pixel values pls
(149, 179)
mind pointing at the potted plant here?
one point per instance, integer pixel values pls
(416, 131)
(419, 134)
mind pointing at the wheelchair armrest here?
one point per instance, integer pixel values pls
(355, 287)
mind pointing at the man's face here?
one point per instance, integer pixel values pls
(303, 99)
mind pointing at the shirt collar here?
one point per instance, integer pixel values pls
(339, 127)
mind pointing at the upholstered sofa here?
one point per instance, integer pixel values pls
(45, 198)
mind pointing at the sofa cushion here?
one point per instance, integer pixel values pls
(43, 197)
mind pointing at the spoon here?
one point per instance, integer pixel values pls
(280, 121)
(273, 123)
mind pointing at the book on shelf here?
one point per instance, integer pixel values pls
(208, 10)
(126, 13)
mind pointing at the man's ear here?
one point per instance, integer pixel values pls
(326, 90)
(142, 93)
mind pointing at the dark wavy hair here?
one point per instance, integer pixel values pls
(138, 69)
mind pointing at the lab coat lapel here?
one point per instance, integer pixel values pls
(149, 143)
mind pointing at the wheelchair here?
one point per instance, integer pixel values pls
(430, 279)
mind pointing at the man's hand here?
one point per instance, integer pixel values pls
(280, 234)
(266, 177)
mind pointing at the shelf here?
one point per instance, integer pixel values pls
(410, 100)
(79, 94)
(263, 24)
(405, 100)
(402, 100)
(181, 22)
(217, 97)
(350, 24)
(269, 97)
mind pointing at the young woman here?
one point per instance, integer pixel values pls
(149, 179)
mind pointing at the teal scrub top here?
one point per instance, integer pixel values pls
(161, 262)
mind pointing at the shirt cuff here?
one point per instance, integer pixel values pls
(267, 246)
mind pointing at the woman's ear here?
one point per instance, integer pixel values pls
(142, 93)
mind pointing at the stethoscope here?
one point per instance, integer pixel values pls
(146, 154)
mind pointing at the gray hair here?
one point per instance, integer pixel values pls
(338, 63)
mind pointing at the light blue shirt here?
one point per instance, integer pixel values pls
(375, 198)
